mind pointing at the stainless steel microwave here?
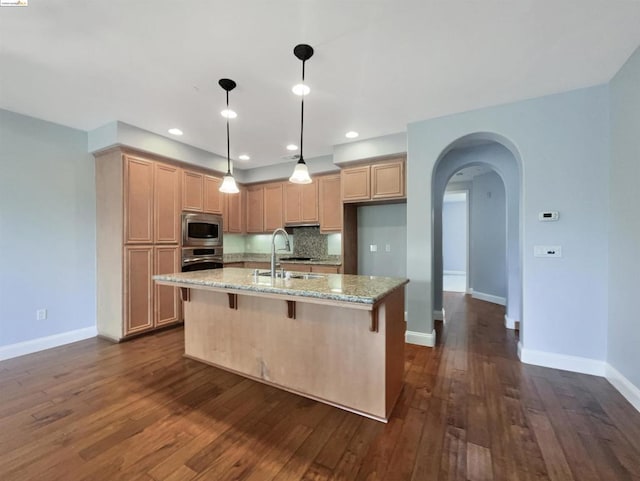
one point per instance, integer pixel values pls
(201, 230)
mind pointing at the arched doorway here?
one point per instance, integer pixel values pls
(492, 151)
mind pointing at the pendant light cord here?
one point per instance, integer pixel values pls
(301, 159)
(228, 156)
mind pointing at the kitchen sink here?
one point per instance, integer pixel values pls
(290, 275)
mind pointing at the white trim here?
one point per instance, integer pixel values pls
(554, 360)
(622, 384)
(420, 338)
(42, 343)
(489, 298)
(454, 273)
(470, 290)
(509, 323)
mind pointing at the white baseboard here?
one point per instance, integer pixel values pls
(438, 315)
(42, 343)
(489, 298)
(421, 338)
(554, 360)
(454, 273)
(509, 323)
(622, 384)
(470, 290)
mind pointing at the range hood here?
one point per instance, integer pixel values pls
(291, 225)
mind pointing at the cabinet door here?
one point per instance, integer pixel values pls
(166, 204)
(138, 292)
(330, 203)
(255, 209)
(295, 267)
(292, 203)
(192, 191)
(273, 208)
(234, 212)
(166, 300)
(212, 195)
(138, 200)
(309, 203)
(387, 180)
(325, 269)
(356, 184)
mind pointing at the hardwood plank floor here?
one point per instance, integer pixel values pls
(468, 411)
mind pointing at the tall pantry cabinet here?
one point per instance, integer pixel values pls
(138, 204)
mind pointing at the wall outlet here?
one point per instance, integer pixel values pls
(41, 314)
(387, 248)
(373, 248)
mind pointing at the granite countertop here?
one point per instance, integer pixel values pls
(337, 287)
(325, 261)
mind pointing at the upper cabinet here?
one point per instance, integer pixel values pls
(273, 206)
(200, 193)
(378, 181)
(212, 195)
(138, 200)
(255, 209)
(330, 205)
(192, 191)
(301, 203)
(234, 212)
(166, 203)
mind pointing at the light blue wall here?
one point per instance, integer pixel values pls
(624, 222)
(454, 236)
(370, 148)
(488, 236)
(563, 143)
(47, 229)
(382, 225)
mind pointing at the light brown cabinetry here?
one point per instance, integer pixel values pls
(138, 292)
(212, 195)
(200, 192)
(301, 203)
(255, 209)
(330, 204)
(234, 216)
(166, 259)
(379, 181)
(273, 206)
(325, 269)
(138, 200)
(192, 191)
(166, 202)
(138, 209)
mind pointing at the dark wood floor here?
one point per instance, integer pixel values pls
(469, 410)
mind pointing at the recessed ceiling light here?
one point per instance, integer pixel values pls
(175, 131)
(301, 89)
(351, 134)
(228, 114)
(292, 147)
(244, 157)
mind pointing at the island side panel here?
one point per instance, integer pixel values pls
(395, 326)
(327, 352)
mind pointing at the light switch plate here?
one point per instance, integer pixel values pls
(373, 248)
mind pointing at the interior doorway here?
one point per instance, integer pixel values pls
(455, 241)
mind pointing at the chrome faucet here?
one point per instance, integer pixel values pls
(287, 247)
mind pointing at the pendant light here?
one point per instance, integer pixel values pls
(228, 182)
(301, 172)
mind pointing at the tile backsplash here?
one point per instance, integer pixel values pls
(305, 242)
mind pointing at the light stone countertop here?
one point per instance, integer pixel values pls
(336, 287)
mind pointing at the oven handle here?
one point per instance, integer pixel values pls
(193, 260)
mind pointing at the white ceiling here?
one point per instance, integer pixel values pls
(378, 64)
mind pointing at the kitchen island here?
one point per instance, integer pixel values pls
(335, 338)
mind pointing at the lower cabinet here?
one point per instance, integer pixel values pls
(147, 305)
